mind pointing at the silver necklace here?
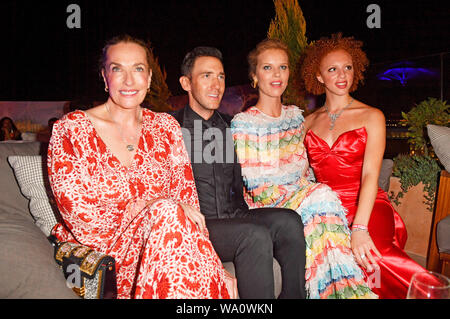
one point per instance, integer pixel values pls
(130, 146)
(334, 116)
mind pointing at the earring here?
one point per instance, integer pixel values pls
(106, 89)
(254, 83)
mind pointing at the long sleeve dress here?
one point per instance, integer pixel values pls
(159, 252)
(275, 172)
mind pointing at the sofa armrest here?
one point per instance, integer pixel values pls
(27, 268)
(229, 266)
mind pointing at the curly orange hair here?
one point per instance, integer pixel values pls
(320, 48)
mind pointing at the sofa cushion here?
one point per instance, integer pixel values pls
(439, 138)
(29, 171)
(384, 179)
(443, 235)
(27, 266)
(11, 200)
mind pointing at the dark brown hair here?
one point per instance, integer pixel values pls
(13, 126)
(320, 48)
(191, 57)
(124, 38)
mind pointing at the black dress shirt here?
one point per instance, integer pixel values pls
(217, 173)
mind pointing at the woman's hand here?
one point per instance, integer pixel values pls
(362, 247)
(191, 212)
(195, 216)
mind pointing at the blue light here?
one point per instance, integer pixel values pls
(403, 74)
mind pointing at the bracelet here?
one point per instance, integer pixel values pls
(359, 227)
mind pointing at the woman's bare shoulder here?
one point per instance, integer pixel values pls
(97, 112)
(311, 118)
(370, 112)
(372, 118)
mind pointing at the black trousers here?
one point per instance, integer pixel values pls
(252, 240)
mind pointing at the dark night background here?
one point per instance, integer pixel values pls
(43, 60)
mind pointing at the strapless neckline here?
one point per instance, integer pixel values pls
(340, 167)
(337, 139)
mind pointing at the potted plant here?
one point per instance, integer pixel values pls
(416, 174)
(430, 111)
(289, 26)
(413, 170)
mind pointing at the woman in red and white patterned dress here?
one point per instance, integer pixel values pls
(124, 186)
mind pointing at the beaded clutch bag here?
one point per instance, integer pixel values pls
(90, 274)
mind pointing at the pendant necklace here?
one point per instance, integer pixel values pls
(334, 116)
(130, 146)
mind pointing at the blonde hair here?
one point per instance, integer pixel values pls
(262, 46)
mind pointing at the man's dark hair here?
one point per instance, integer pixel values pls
(190, 57)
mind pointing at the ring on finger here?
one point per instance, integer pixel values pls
(363, 256)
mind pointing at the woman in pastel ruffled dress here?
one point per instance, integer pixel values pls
(345, 142)
(269, 144)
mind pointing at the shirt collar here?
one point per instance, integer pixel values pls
(190, 116)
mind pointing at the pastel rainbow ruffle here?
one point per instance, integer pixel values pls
(331, 269)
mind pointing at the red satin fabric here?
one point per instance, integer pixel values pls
(340, 167)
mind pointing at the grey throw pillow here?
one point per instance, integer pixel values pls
(384, 179)
(443, 235)
(440, 140)
(29, 174)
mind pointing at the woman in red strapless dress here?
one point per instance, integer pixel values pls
(345, 141)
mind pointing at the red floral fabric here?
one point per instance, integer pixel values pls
(159, 252)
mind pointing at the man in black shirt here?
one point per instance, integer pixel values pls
(248, 238)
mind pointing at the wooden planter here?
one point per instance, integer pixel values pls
(416, 216)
